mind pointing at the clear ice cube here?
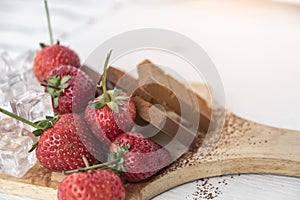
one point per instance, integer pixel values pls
(24, 61)
(11, 83)
(16, 84)
(24, 64)
(15, 160)
(8, 129)
(33, 106)
(4, 87)
(5, 63)
(16, 139)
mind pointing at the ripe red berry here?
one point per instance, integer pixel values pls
(70, 88)
(101, 184)
(61, 147)
(110, 114)
(144, 157)
(106, 122)
(51, 57)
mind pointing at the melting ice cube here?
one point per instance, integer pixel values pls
(33, 106)
(15, 160)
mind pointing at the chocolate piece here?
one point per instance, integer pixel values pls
(173, 95)
(122, 80)
(127, 83)
(163, 122)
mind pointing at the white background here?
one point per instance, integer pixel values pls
(255, 46)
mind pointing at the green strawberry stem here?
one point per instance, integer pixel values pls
(48, 22)
(105, 94)
(94, 167)
(50, 86)
(20, 118)
(111, 98)
(115, 161)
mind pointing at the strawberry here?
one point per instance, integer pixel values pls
(144, 157)
(110, 114)
(70, 88)
(101, 184)
(60, 147)
(53, 56)
(63, 141)
(106, 122)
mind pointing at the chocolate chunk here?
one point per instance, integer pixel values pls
(161, 120)
(173, 95)
(164, 122)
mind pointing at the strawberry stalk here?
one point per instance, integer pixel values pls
(115, 162)
(48, 22)
(94, 167)
(12, 115)
(105, 94)
(50, 86)
(111, 98)
(40, 126)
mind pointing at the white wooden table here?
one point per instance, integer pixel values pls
(255, 46)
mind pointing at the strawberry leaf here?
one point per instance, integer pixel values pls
(46, 123)
(121, 98)
(119, 153)
(33, 147)
(42, 45)
(64, 86)
(116, 92)
(119, 102)
(98, 105)
(38, 132)
(55, 102)
(65, 79)
(113, 106)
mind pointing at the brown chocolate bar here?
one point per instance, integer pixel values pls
(166, 122)
(127, 83)
(173, 95)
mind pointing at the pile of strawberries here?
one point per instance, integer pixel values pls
(90, 129)
(89, 138)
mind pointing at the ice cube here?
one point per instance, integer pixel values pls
(16, 84)
(4, 90)
(8, 129)
(24, 61)
(7, 124)
(15, 160)
(5, 63)
(11, 85)
(24, 64)
(33, 106)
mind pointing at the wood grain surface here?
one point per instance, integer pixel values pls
(243, 147)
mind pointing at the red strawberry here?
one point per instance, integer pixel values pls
(101, 184)
(61, 147)
(144, 157)
(107, 123)
(51, 57)
(70, 88)
(63, 142)
(110, 114)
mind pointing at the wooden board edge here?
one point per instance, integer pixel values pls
(211, 169)
(36, 192)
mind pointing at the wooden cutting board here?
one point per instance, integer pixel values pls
(243, 147)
